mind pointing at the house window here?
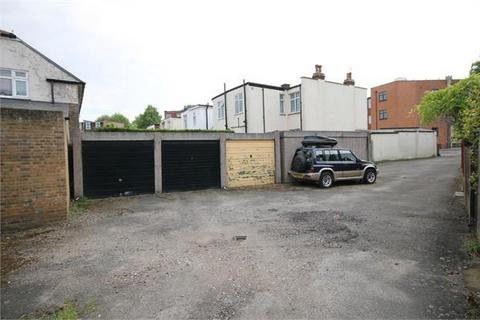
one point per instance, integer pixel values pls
(369, 103)
(185, 121)
(383, 115)
(382, 96)
(239, 103)
(194, 119)
(221, 110)
(282, 106)
(87, 125)
(13, 83)
(98, 124)
(369, 119)
(295, 102)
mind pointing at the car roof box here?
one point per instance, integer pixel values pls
(319, 141)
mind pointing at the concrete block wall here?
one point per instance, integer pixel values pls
(402, 144)
(357, 141)
(33, 167)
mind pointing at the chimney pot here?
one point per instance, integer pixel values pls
(318, 75)
(349, 81)
(285, 86)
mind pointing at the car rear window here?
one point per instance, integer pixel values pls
(319, 156)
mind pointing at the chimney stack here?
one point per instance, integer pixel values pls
(349, 81)
(318, 75)
(448, 79)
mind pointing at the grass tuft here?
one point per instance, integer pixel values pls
(79, 206)
(473, 247)
(68, 311)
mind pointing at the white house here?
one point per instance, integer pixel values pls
(314, 104)
(172, 120)
(198, 116)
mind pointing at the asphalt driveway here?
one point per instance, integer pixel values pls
(389, 250)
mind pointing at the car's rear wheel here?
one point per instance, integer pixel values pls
(370, 176)
(326, 179)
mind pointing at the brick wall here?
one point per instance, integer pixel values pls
(403, 96)
(33, 167)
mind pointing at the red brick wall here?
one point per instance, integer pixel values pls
(33, 167)
(403, 96)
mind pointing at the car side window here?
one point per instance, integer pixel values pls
(319, 156)
(347, 155)
(331, 155)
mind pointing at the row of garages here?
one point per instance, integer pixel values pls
(124, 167)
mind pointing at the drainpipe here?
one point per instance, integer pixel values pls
(245, 105)
(52, 92)
(376, 110)
(206, 116)
(263, 108)
(301, 109)
(225, 105)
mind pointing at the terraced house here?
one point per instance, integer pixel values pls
(314, 104)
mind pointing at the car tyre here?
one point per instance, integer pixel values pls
(326, 180)
(370, 176)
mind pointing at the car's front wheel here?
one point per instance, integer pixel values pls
(370, 176)
(326, 180)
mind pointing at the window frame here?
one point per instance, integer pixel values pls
(295, 103)
(282, 103)
(194, 119)
(383, 114)
(13, 80)
(383, 96)
(239, 103)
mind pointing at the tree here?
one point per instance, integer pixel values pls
(460, 102)
(475, 67)
(149, 117)
(116, 117)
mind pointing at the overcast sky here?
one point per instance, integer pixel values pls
(173, 53)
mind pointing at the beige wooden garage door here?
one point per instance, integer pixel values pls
(250, 162)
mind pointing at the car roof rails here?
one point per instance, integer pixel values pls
(319, 141)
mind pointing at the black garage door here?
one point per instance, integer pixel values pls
(112, 168)
(190, 165)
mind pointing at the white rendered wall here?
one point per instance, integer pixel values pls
(398, 145)
(173, 124)
(235, 121)
(326, 106)
(15, 55)
(333, 106)
(197, 112)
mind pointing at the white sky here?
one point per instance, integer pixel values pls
(172, 53)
